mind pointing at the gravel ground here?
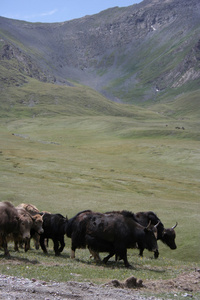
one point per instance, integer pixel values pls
(23, 288)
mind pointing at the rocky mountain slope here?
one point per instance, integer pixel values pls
(133, 54)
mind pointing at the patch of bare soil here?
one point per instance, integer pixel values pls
(186, 282)
(131, 289)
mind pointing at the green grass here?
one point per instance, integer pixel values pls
(36, 98)
(68, 164)
(181, 104)
(35, 264)
(147, 65)
(79, 154)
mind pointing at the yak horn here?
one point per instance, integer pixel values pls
(175, 225)
(148, 225)
(157, 224)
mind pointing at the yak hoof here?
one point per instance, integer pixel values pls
(105, 261)
(7, 255)
(156, 254)
(72, 254)
(128, 266)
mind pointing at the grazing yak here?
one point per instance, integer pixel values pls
(11, 222)
(55, 227)
(36, 229)
(166, 235)
(76, 230)
(25, 226)
(112, 232)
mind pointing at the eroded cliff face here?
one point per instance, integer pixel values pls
(117, 29)
(151, 45)
(24, 63)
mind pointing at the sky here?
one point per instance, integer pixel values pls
(49, 11)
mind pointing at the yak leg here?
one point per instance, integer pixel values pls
(62, 244)
(5, 247)
(156, 254)
(56, 245)
(16, 248)
(73, 249)
(124, 257)
(27, 245)
(36, 238)
(126, 263)
(42, 244)
(141, 252)
(121, 252)
(94, 254)
(72, 253)
(105, 260)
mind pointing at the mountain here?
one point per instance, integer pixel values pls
(141, 54)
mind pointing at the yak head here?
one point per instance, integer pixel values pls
(168, 237)
(150, 238)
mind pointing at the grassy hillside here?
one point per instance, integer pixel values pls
(68, 163)
(35, 98)
(137, 54)
(66, 149)
(183, 105)
(156, 69)
(30, 98)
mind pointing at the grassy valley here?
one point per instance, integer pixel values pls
(65, 164)
(74, 155)
(64, 147)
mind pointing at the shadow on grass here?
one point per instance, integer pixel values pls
(134, 265)
(35, 256)
(51, 254)
(108, 265)
(16, 259)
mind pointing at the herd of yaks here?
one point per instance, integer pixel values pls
(113, 232)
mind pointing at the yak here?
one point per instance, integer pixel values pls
(166, 235)
(55, 227)
(12, 222)
(111, 232)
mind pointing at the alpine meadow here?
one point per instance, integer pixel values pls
(102, 113)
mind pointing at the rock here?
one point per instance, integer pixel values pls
(131, 283)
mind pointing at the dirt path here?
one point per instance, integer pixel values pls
(132, 289)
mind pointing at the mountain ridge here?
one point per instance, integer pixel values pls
(129, 54)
